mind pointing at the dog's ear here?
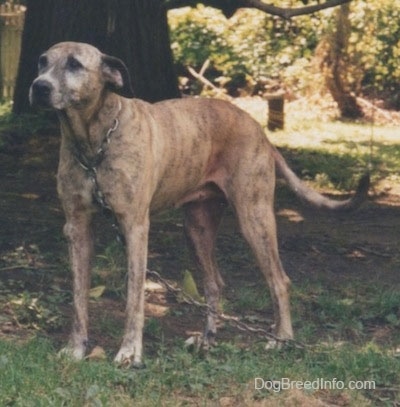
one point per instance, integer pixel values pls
(117, 76)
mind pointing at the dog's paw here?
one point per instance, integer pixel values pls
(123, 359)
(195, 341)
(273, 344)
(199, 342)
(72, 352)
(126, 359)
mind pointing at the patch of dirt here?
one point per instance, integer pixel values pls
(358, 247)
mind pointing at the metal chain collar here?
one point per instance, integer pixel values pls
(90, 166)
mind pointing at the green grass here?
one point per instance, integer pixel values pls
(329, 152)
(335, 154)
(32, 375)
(331, 322)
(346, 312)
(19, 128)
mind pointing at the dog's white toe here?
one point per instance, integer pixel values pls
(73, 353)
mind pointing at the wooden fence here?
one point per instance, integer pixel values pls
(12, 17)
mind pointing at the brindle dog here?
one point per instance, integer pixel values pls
(137, 158)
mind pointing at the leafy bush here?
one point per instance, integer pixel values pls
(251, 46)
(375, 46)
(199, 36)
(257, 47)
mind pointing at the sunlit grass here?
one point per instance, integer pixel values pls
(329, 152)
(342, 151)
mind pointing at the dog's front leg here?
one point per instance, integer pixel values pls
(79, 234)
(136, 237)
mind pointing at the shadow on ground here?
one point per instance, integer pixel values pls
(342, 255)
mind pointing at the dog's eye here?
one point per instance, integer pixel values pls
(42, 62)
(73, 64)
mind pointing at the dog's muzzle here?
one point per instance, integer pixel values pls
(40, 93)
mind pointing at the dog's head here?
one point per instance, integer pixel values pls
(75, 75)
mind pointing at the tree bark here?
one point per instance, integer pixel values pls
(333, 64)
(138, 33)
(229, 7)
(34, 38)
(134, 30)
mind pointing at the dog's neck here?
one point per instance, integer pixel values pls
(85, 129)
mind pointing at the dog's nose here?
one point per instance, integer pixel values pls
(40, 93)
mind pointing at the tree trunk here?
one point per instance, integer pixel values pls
(333, 63)
(134, 30)
(34, 41)
(138, 33)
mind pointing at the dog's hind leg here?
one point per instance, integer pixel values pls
(259, 229)
(254, 205)
(201, 223)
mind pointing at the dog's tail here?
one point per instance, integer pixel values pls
(314, 198)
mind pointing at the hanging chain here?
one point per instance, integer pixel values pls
(233, 321)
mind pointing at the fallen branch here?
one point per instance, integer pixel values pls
(219, 92)
(22, 267)
(374, 252)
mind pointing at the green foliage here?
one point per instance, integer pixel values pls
(259, 47)
(375, 44)
(195, 40)
(199, 36)
(250, 45)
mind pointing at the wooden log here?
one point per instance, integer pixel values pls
(276, 114)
